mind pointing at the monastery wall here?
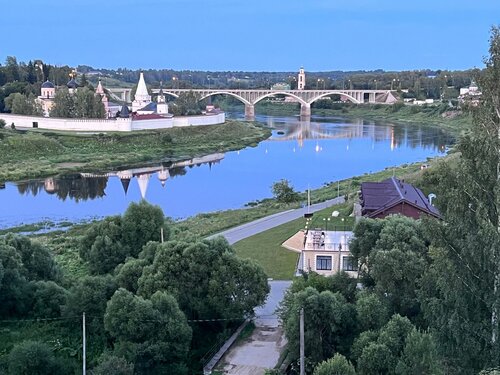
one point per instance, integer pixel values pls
(68, 124)
(111, 125)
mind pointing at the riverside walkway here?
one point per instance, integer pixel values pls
(243, 231)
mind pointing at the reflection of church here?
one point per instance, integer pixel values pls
(84, 186)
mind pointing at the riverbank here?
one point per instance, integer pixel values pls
(38, 153)
(454, 121)
(205, 224)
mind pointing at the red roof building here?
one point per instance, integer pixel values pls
(393, 196)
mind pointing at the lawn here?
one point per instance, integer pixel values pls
(279, 263)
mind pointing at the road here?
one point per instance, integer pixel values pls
(263, 348)
(241, 232)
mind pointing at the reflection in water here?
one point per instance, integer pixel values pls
(411, 136)
(307, 153)
(84, 186)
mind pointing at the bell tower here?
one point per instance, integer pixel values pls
(301, 81)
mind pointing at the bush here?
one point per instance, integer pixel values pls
(113, 365)
(2, 123)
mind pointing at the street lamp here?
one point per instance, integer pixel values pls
(173, 81)
(376, 84)
(208, 79)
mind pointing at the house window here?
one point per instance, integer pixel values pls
(323, 263)
(349, 264)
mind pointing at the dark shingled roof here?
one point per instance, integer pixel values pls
(72, 84)
(124, 112)
(150, 107)
(47, 85)
(380, 196)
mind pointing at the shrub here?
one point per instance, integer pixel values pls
(2, 123)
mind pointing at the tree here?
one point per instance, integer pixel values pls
(82, 104)
(32, 357)
(21, 104)
(113, 365)
(329, 324)
(154, 333)
(64, 104)
(128, 273)
(420, 356)
(460, 294)
(143, 222)
(14, 288)
(376, 359)
(394, 256)
(283, 192)
(48, 299)
(372, 311)
(90, 295)
(12, 69)
(186, 104)
(207, 279)
(338, 365)
(36, 258)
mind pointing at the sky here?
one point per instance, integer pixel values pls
(251, 35)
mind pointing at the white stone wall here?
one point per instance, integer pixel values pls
(163, 123)
(102, 125)
(199, 120)
(94, 125)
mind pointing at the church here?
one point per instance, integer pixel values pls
(142, 104)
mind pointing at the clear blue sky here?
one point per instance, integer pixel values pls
(255, 35)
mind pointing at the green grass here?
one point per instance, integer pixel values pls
(279, 263)
(40, 153)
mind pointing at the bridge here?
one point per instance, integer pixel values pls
(251, 97)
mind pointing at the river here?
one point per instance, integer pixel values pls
(307, 153)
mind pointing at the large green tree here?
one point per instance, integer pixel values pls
(329, 326)
(154, 334)
(207, 279)
(460, 292)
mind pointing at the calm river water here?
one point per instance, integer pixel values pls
(307, 153)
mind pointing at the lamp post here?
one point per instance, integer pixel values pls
(173, 81)
(208, 79)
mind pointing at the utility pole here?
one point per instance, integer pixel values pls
(84, 348)
(302, 370)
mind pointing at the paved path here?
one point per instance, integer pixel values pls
(241, 232)
(262, 350)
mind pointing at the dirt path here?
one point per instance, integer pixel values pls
(263, 348)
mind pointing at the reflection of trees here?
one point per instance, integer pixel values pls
(81, 189)
(32, 187)
(74, 187)
(177, 171)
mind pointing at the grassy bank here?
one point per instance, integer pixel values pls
(40, 153)
(279, 263)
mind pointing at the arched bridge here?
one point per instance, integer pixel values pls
(304, 97)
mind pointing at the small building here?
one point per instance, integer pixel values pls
(393, 196)
(327, 253)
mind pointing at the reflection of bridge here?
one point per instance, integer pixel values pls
(304, 97)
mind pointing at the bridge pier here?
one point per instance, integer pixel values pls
(249, 111)
(305, 110)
